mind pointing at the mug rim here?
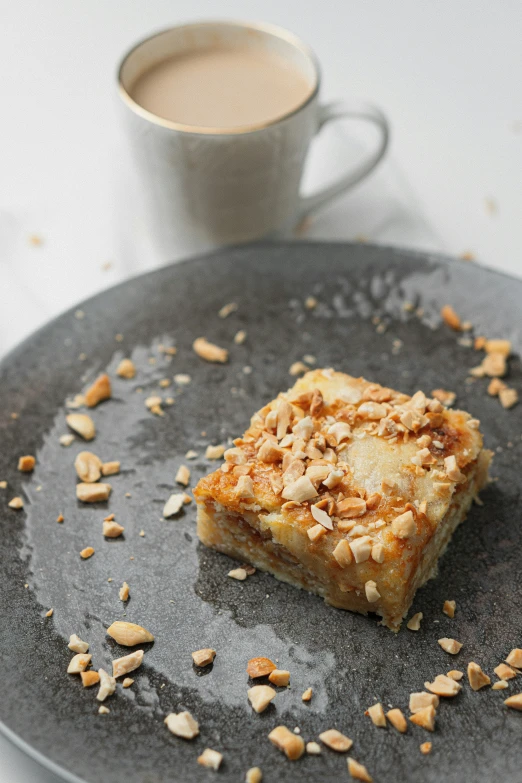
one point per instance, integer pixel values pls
(264, 27)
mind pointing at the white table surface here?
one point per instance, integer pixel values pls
(448, 75)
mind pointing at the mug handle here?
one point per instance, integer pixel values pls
(341, 110)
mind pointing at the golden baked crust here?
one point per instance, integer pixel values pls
(346, 488)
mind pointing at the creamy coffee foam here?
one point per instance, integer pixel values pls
(222, 88)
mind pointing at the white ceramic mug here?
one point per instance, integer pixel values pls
(207, 186)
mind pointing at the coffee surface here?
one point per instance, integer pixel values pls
(222, 88)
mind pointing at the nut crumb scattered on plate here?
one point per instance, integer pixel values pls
(204, 657)
(279, 677)
(335, 740)
(292, 745)
(26, 464)
(77, 645)
(449, 608)
(99, 391)
(414, 623)
(425, 748)
(477, 678)
(358, 771)
(451, 646)
(376, 714)
(182, 724)
(210, 352)
(17, 503)
(129, 634)
(126, 369)
(425, 718)
(86, 553)
(397, 720)
(81, 424)
(260, 697)
(211, 759)
(307, 694)
(127, 663)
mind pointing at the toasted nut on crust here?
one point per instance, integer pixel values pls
(307, 695)
(477, 678)
(443, 686)
(209, 351)
(505, 672)
(403, 526)
(79, 663)
(110, 468)
(174, 505)
(425, 748)
(279, 677)
(359, 771)
(515, 658)
(260, 667)
(82, 424)
(127, 663)
(93, 493)
(107, 685)
(450, 317)
(26, 464)
(182, 724)
(126, 369)
(371, 591)
(291, 744)
(335, 740)
(455, 674)
(88, 467)
(424, 718)
(210, 758)
(204, 657)
(129, 634)
(260, 697)
(16, 503)
(76, 644)
(86, 553)
(99, 391)
(397, 720)
(214, 452)
(343, 553)
(515, 701)
(112, 529)
(418, 701)
(449, 608)
(89, 678)
(376, 713)
(316, 532)
(450, 645)
(414, 622)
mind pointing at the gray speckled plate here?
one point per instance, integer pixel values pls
(179, 589)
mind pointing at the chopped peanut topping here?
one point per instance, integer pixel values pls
(321, 517)
(279, 677)
(124, 592)
(515, 701)
(214, 452)
(343, 553)
(505, 672)
(450, 317)
(414, 622)
(335, 740)
(173, 505)
(477, 678)
(292, 745)
(126, 369)
(16, 503)
(89, 678)
(127, 663)
(86, 553)
(372, 594)
(79, 663)
(376, 713)
(450, 646)
(378, 553)
(449, 608)
(129, 634)
(238, 573)
(316, 532)
(183, 475)
(515, 658)
(110, 468)
(455, 674)
(112, 529)
(443, 686)
(209, 352)
(26, 464)
(452, 469)
(93, 493)
(351, 508)
(88, 467)
(447, 398)
(76, 644)
(260, 667)
(300, 490)
(421, 700)
(297, 368)
(397, 720)
(253, 775)
(127, 682)
(425, 748)
(260, 697)
(182, 724)
(99, 391)
(403, 526)
(424, 718)
(361, 548)
(245, 487)
(204, 657)
(82, 424)
(359, 771)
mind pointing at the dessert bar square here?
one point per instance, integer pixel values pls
(347, 489)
